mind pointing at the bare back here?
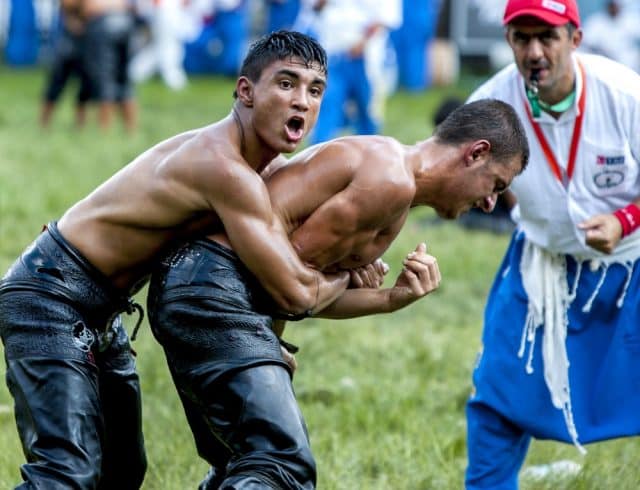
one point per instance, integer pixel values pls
(343, 202)
(172, 191)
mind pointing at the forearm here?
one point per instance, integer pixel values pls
(295, 287)
(361, 302)
(420, 276)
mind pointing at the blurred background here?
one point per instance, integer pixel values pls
(376, 47)
(383, 396)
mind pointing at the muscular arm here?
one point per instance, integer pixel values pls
(261, 242)
(346, 207)
(419, 277)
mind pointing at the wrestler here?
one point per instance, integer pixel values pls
(342, 202)
(69, 365)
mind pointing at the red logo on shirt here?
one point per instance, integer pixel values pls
(615, 160)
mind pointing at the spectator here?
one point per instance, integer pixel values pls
(615, 33)
(169, 26)
(355, 35)
(221, 44)
(109, 28)
(67, 63)
(411, 40)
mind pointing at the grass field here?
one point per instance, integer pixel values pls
(383, 396)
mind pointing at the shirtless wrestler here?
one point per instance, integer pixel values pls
(69, 364)
(342, 202)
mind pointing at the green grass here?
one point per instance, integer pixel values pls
(383, 396)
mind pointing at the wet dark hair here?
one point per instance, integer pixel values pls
(280, 45)
(489, 119)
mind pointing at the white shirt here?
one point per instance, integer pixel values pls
(341, 25)
(617, 37)
(607, 168)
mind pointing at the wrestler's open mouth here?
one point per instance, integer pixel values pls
(295, 128)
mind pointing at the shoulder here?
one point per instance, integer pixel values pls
(369, 148)
(206, 162)
(210, 152)
(372, 157)
(380, 173)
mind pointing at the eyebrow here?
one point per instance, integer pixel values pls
(539, 34)
(293, 74)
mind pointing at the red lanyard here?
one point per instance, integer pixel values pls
(575, 138)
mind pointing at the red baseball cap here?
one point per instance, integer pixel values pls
(552, 12)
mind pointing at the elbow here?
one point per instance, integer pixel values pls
(298, 300)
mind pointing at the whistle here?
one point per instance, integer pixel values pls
(532, 92)
(533, 81)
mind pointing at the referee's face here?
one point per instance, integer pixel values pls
(546, 50)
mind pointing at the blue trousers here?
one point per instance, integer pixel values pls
(508, 406)
(348, 82)
(411, 41)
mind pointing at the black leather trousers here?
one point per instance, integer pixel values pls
(70, 371)
(213, 321)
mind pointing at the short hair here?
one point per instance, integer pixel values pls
(489, 119)
(445, 108)
(280, 45)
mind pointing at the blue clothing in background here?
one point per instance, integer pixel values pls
(23, 41)
(281, 14)
(509, 406)
(411, 42)
(221, 45)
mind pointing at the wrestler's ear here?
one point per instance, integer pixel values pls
(244, 91)
(477, 152)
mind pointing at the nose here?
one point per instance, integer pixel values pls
(534, 50)
(489, 203)
(301, 100)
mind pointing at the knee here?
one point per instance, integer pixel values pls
(289, 467)
(61, 473)
(285, 475)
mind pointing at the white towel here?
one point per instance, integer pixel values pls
(544, 277)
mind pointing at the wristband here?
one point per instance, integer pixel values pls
(629, 218)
